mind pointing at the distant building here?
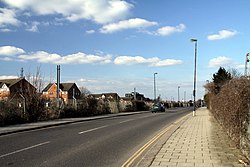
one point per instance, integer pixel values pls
(68, 91)
(138, 96)
(14, 88)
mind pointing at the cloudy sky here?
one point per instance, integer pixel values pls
(116, 46)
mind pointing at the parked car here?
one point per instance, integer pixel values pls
(158, 108)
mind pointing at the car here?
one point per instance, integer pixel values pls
(157, 108)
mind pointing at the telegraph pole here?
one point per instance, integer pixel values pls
(247, 60)
(58, 86)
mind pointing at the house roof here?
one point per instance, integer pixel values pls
(9, 82)
(62, 86)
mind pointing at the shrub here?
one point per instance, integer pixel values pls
(231, 107)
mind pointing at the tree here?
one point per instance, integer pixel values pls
(36, 79)
(220, 78)
(235, 73)
(84, 91)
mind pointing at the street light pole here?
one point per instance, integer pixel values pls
(155, 87)
(195, 55)
(178, 94)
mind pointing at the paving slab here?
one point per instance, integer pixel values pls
(199, 141)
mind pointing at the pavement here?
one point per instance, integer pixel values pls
(198, 142)
(57, 122)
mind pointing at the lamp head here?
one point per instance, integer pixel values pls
(193, 40)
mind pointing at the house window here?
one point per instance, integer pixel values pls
(51, 93)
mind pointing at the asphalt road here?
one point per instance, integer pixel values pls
(105, 142)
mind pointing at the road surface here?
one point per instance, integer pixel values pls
(104, 142)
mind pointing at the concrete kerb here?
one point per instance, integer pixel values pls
(146, 155)
(58, 122)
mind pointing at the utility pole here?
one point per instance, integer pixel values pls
(195, 56)
(178, 94)
(21, 75)
(134, 93)
(155, 86)
(58, 87)
(247, 60)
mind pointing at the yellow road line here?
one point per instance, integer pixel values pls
(143, 148)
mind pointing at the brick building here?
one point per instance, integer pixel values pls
(14, 88)
(68, 91)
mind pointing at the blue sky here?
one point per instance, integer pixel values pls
(116, 46)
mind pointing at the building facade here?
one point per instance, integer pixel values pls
(67, 92)
(14, 88)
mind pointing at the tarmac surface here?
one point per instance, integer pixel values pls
(57, 122)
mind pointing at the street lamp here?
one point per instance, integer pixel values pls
(178, 94)
(195, 55)
(155, 86)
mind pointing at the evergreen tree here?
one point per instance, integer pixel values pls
(220, 78)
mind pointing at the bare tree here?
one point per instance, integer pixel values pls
(235, 73)
(36, 79)
(84, 91)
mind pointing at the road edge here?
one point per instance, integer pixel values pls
(146, 154)
(51, 124)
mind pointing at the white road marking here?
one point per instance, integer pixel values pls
(147, 116)
(24, 149)
(126, 121)
(90, 130)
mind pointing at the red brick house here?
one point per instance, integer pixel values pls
(14, 88)
(68, 91)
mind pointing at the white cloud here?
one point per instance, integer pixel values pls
(5, 30)
(223, 34)
(41, 56)
(87, 80)
(10, 51)
(99, 11)
(90, 31)
(167, 62)
(8, 17)
(127, 24)
(33, 27)
(8, 77)
(83, 58)
(167, 30)
(220, 61)
(155, 61)
(78, 58)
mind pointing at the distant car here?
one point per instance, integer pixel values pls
(157, 108)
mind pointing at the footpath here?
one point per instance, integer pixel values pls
(199, 142)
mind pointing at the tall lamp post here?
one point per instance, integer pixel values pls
(195, 55)
(178, 94)
(155, 86)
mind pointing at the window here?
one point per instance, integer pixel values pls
(51, 93)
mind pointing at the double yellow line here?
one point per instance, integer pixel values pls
(130, 161)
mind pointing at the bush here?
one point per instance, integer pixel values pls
(35, 109)
(231, 107)
(10, 114)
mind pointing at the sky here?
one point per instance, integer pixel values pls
(116, 46)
